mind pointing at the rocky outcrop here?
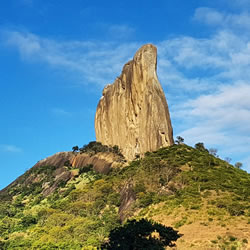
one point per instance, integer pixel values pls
(102, 162)
(133, 111)
(128, 197)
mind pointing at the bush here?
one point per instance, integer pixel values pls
(28, 220)
(146, 199)
(86, 169)
(114, 199)
(96, 147)
(139, 187)
(200, 146)
(236, 209)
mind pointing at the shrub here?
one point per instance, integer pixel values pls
(139, 187)
(236, 209)
(28, 220)
(95, 147)
(86, 169)
(146, 199)
(200, 146)
(232, 238)
(114, 199)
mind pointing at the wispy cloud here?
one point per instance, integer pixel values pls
(96, 62)
(10, 148)
(219, 19)
(208, 16)
(226, 112)
(60, 112)
(225, 55)
(218, 116)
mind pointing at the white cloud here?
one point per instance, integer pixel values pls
(28, 44)
(224, 56)
(220, 119)
(208, 16)
(229, 98)
(10, 148)
(220, 52)
(219, 19)
(215, 69)
(95, 62)
(230, 108)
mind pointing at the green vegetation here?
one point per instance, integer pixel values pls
(95, 147)
(179, 140)
(200, 146)
(81, 210)
(238, 165)
(139, 235)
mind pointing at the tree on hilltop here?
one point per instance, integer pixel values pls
(179, 140)
(200, 146)
(213, 151)
(228, 159)
(238, 165)
(75, 148)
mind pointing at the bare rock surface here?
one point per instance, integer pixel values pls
(102, 162)
(128, 198)
(133, 111)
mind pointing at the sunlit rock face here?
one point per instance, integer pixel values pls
(133, 111)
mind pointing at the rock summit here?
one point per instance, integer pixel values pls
(133, 111)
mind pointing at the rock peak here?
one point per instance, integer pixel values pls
(148, 52)
(133, 112)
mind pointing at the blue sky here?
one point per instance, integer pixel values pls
(56, 57)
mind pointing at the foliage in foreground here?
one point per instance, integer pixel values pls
(142, 234)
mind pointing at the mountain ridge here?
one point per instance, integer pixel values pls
(178, 186)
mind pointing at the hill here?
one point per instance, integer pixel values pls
(203, 197)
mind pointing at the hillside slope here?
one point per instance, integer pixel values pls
(202, 196)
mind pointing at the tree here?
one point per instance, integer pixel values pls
(228, 159)
(179, 140)
(238, 165)
(142, 234)
(213, 151)
(200, 146)
(75, 148)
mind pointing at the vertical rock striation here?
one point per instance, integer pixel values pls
(133, 111)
